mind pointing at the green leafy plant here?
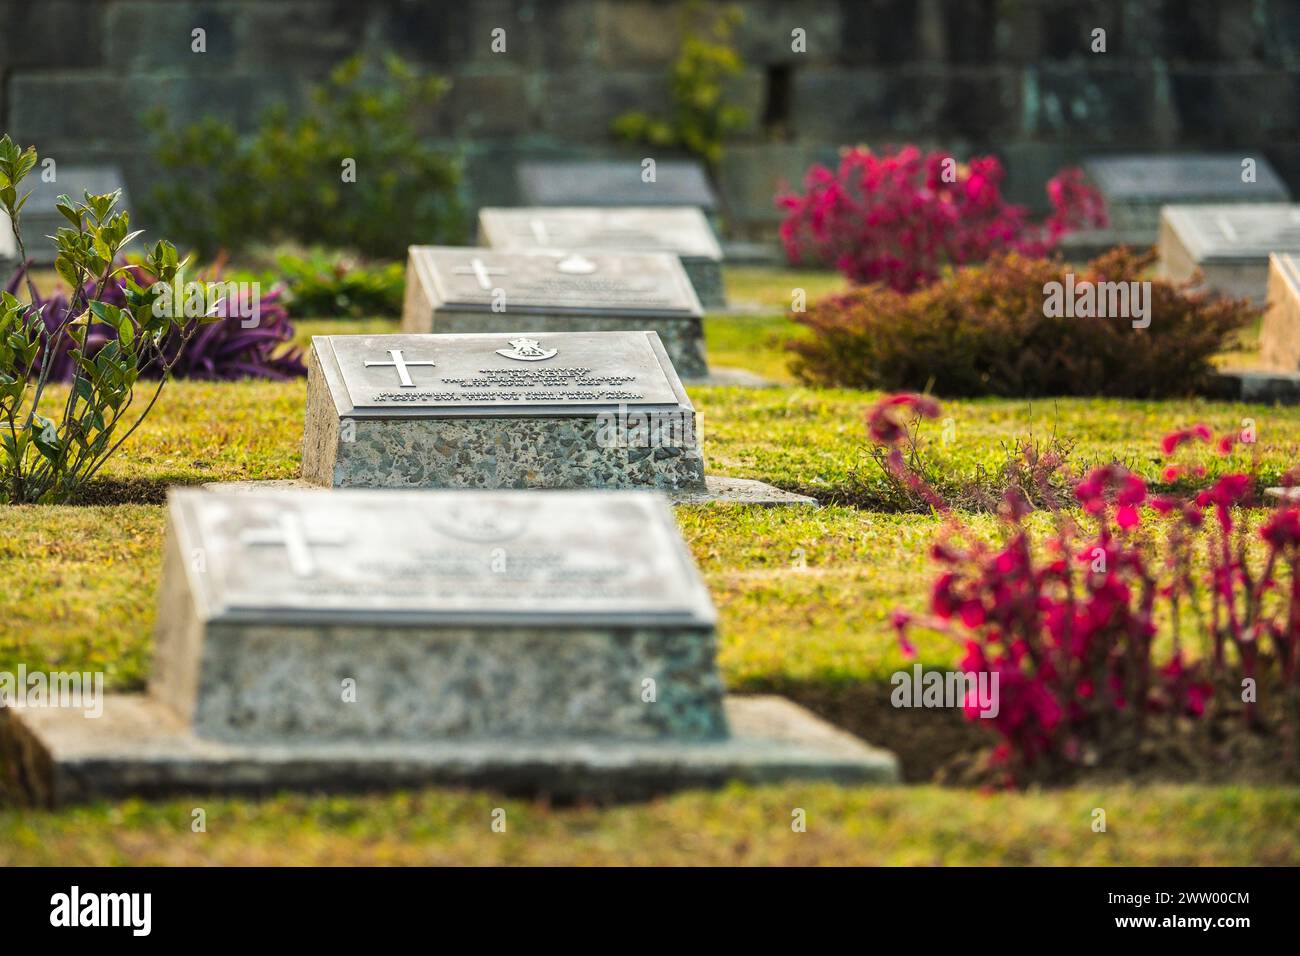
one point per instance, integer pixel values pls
(322, 283)
(50, 459)
(292, 178)
(701, 118)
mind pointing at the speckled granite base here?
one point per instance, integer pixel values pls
(706, 277)
(683, 338)
(496, 452)
(57, 756)
(717, 491)
(283, 685)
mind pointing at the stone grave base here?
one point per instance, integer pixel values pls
(139, 747)
(717, 490)
(730, 377)
(1085, 244)
(706, 277)
(1256, 385)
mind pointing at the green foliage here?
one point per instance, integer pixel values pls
(701, 118)
(288, 179)
(329, 284)
(47, 460)
(988, 331)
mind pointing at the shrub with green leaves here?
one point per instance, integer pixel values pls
(328, 284)
(291, 178)
(994, 330)
(701, 118)
(47, 455)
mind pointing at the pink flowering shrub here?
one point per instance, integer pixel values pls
(897, 219)
(1069, 625)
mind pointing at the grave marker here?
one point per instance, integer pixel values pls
(681, 231)
(1279, 335)
(618, 182)
(502, 639)
(526, 410)
(41, 219)
(454, 289)
(1135, 187)
(1230, 244)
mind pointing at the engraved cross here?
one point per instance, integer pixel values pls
(480, 270)
(401, 365)
(296, 539)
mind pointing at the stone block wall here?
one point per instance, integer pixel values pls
(1013, 77)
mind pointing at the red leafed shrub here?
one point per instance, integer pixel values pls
(989, 330)
(900, 217)
(1069, 626)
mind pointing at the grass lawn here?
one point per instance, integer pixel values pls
(804, 596)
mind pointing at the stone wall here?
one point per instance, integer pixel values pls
(1014, 77)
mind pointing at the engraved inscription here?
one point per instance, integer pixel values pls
(558, 368)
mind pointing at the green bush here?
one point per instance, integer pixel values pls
(989, 330)
(289, 178)
(701, 117)
(328, 284)
(47, 459)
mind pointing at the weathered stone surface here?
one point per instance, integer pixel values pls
(603, 410)
(1135, 186)
(1279, 336)
(953, 74)
(552, 642)
(682, 231)
(454, 289)
(1230, 244)
(504, 614)
(138, 747)
(718, 490)
(613, 182)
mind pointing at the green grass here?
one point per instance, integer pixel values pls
(739, 825)
(762, 289)
(804, 597)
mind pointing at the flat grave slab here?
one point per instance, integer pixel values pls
(1279, 335)
(1230, 244)
(528, 410)
(681, 231)
(1135, 186)
(458, 290)
(614, 182)
(558, 642)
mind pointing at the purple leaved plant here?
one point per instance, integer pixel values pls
(219, 351)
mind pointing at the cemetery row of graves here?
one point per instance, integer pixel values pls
(593, 516)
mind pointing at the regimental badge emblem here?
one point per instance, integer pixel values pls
(478, 524)
(576, 265)
(527, 350)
